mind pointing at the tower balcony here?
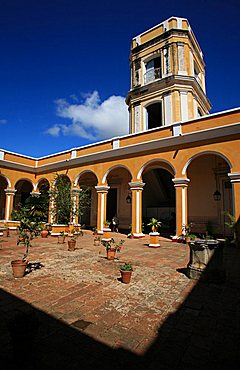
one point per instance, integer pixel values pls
(152, 75)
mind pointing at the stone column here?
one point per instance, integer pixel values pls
(102, 206)
(181, 185)
(235, 180)
(137, 188)
(75, 196)
(9, 202)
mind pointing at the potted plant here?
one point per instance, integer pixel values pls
(130, 235)
(186, 233)
(112, 247)
(97, 241)
(126, 272)
(107, 223)
(155, 224)
(28, 230)
(73, 238)
(61, 237)
(154, 235)
(72, 243)
(44, 232)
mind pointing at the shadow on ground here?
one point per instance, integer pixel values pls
(203, 333)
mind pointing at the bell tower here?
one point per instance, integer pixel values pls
(167, 77)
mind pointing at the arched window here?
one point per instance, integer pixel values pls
(154, 115)
(153, 70)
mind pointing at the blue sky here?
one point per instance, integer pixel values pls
(64, 69)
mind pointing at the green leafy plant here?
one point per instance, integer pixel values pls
(112, 245)
(65, 200)
(234, 225)
(187, 228)
(155, 224)
(28, 230)
(106, 223)
(126, 267)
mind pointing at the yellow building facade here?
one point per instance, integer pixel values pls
(178, 164)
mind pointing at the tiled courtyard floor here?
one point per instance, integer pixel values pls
(75, 313)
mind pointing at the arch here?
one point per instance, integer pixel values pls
(24, 179)
(104, 179)
(209, 152)
(39, 182)
(169, 166)
(7, 179)
(82, 173)
(155, 101)
(60, 175)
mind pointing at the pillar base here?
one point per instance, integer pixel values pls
(154, 240)
(106, 234)
(138, 236)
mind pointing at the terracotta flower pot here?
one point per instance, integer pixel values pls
(71, 245)
(44, 233)
(61, 239)
(18, 268)
(126, 276)
(111, 253)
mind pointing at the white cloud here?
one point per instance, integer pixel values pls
(3, 121)
(92, 119)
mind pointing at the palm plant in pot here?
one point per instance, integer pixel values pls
(154, 235)
(112, 247)
(28, 230)
(126, 272)
(155, 224)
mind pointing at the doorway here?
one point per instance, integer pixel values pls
(111, 203)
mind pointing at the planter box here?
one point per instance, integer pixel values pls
(13, 225)
(206, 260)
(57, 229)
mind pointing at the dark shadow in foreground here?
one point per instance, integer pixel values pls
(203, 334)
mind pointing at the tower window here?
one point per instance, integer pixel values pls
(153, 70)
(154, 115)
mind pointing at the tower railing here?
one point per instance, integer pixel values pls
(152, 74)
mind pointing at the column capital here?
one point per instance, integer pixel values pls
(75, 190)
(181, 182)
(10, 191)
(136, 185)
(234, 176)
(35, 193)
(102, 188)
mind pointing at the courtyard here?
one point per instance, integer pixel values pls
(71, 310)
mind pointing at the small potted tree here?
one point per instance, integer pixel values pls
(73, 239)
(112, 247)
(154, 235)
(126, 272)
(28, 230)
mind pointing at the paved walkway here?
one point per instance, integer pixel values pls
(75, 313)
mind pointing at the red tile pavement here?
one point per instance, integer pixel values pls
(78, 297)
